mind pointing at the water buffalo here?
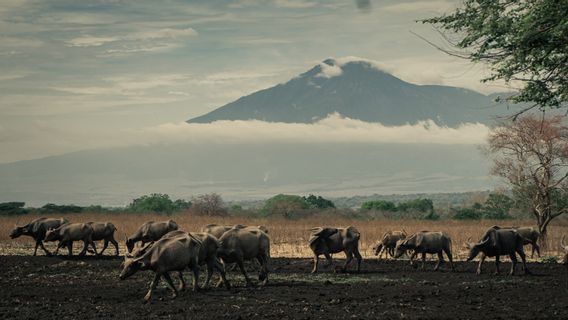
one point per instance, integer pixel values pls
(530, 236)
(207, 253)
(496, 243)
(240, 244)
(565, 248)
(218, 230)
(37, 230)
(163, 256)
(426, 242)
(327, 241)
(150, 231)
(387, 244)
(70, 232)
(104, 231)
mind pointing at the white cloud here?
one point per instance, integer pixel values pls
(166, 33)
(329, 71)
(179, 93)
(333, 129)
(42, 138)
(135, 42)
(90, 41)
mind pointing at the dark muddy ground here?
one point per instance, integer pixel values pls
(58, 288)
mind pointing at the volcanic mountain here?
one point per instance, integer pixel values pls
(358, 89)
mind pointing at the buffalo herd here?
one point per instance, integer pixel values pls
(164, 248)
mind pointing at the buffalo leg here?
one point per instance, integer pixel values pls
(448, 252)
(479, 266)
(423, 260)
(182, 281)
(496, 264)
(70, 248)
(171, 284)
(95, 248)
(536, 248)
(61, 244)
(440, 260)
(244, 272)
(524, 260)
(349, 258)
(263, 273)
(329, 259)
(153, 286)
(383, 252)
(217, 265)
(412, 258)
(195, 270)
(359, 259)
(115, 244)
(85, 247)
(40, 243)
(513, 257)
(210, 266)
(316, 262)
(105, 245)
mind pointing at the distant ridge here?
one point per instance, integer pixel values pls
(358, 89)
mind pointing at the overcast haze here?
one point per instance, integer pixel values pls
(120, 78)
(78, 75)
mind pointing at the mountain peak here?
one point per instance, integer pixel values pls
(357, 88)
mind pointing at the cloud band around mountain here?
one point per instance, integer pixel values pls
(333, 129)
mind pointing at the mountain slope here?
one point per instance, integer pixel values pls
(358, 90)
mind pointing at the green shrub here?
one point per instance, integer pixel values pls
(66, 208)
(285, 205)
(12, 208)
(318, 202)
(467, 214)
(380, 205)
(156, 202)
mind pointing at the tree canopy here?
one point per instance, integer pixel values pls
(522, 41)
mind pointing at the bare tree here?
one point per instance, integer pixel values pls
(531, 154)
(210, 204)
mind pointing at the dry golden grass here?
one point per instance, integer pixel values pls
(288, 237)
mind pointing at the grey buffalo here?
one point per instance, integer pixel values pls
(387, 244)
(565, 248)
(163, 256)
(496, 243)
(240, 244)
(70, 232)
(207, 253)
(218, 230)
(104, 231)
(426, 242)
(327, 241)
(150, 231)
(37, 230)
(530, 236)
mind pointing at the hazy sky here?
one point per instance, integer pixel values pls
(85, 74)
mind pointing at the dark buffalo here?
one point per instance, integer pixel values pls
(496, 243)
(37, 230)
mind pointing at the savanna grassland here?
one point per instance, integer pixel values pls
(288, 237)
